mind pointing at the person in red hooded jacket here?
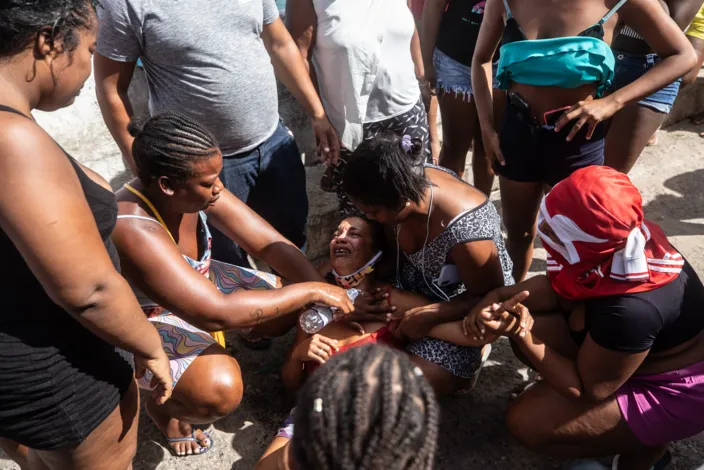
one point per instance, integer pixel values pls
(617, 333)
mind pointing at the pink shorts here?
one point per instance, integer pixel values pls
(665, 407)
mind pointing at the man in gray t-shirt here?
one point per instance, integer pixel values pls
(214, 61)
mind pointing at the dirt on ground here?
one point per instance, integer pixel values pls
(472, 435)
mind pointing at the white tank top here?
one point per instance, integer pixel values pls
(362, 58)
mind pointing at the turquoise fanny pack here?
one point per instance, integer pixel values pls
(567, 62)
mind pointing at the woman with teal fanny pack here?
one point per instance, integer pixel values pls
(556, 66)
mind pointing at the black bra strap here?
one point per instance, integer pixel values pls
(11, 110)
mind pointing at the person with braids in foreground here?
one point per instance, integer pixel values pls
(368, 408)
(67, 397)
(164, 245)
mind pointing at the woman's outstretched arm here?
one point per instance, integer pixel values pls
(152, 262)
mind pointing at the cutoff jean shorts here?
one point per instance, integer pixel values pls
(454, 77)
(630, 67)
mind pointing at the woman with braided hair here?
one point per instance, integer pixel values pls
(164, 245)
(366, 408)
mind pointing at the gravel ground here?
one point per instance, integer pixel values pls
(473, 435)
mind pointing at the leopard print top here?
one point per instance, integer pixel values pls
(480, 223)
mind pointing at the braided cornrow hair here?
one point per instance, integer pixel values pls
(168, 144)
(367, 408)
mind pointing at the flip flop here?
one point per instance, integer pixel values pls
(204, 450)
(518, 390)
(486, 351)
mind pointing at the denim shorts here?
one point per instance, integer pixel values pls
(630, 67)
(537, 154)
(452, 76)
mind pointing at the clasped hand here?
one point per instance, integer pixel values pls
(509, 318)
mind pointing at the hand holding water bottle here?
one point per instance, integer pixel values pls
(334, 297)
(332, 302)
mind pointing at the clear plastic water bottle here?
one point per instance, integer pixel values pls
(317, 316)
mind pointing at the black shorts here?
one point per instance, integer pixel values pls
(58, 382)
(535, 153)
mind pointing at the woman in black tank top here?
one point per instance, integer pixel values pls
(67, 397)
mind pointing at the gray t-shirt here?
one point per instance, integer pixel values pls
(203, 58)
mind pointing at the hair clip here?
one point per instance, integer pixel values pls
(417, 371)
(406, 143)
(318, 405)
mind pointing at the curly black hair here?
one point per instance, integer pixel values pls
(367, 408)
(380, 172)
(21, 21)
(168, 144)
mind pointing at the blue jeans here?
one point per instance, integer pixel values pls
(630, 67)
(271, 179)
(454, 77)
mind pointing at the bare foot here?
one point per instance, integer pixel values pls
(653, 140)
(175, 429)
